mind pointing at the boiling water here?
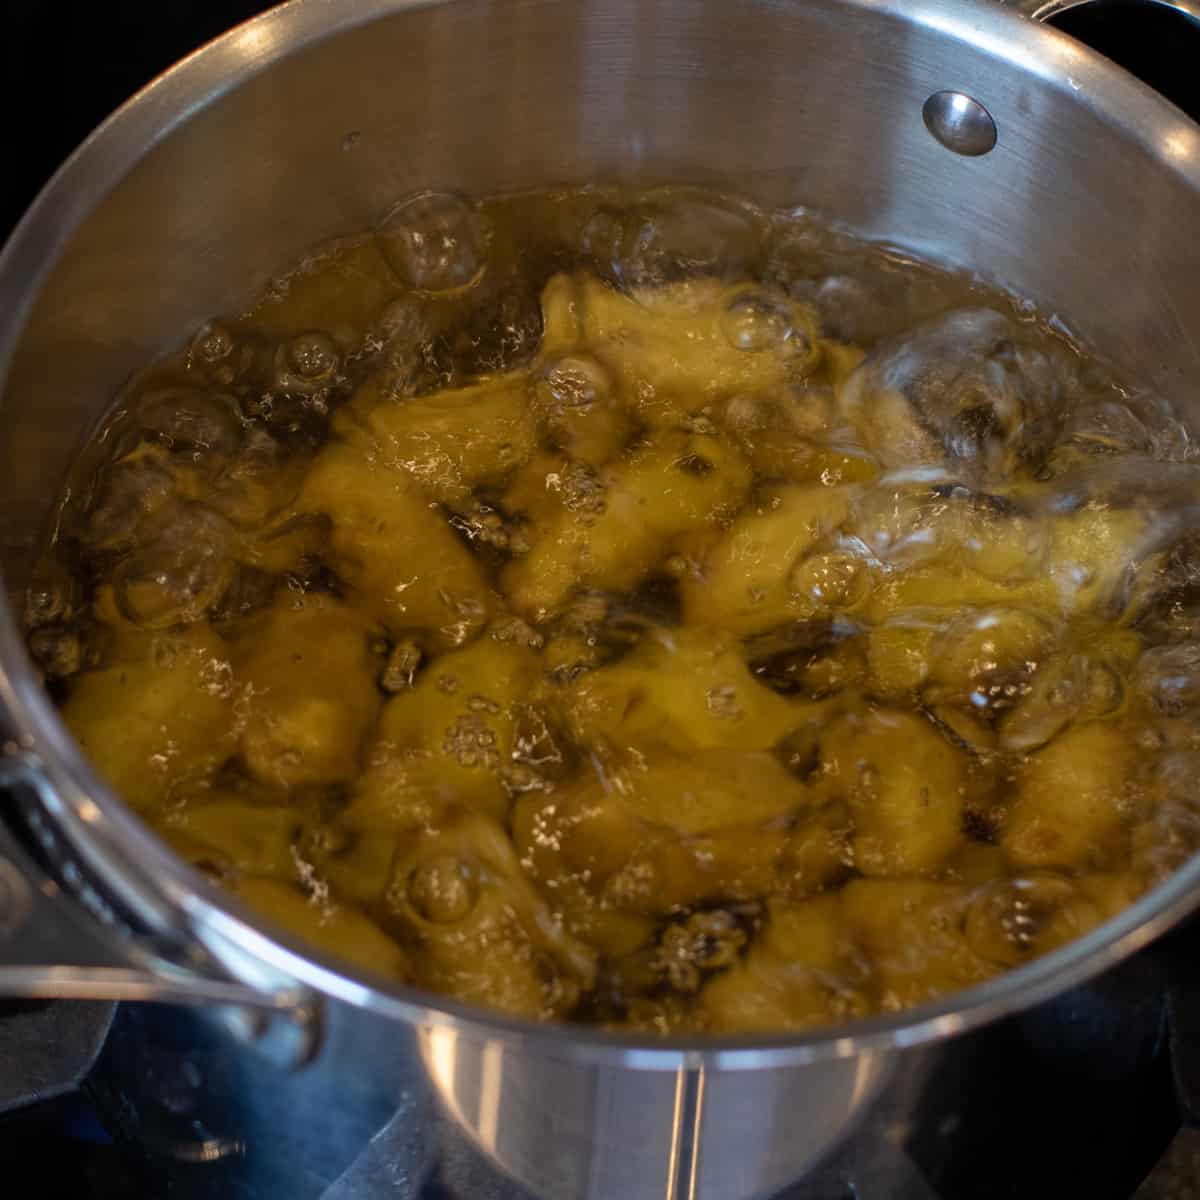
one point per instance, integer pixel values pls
(642, 609)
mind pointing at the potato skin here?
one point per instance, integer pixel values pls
(399, 559)
(1067, 809)
(160, 716)
(310, 669)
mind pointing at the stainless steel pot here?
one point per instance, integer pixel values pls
(1045, 168)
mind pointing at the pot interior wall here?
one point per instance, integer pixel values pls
(304, 137)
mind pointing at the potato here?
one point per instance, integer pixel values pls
(673, 833)
(1079, 571)
(334, 929)
(1067, 811)
(679, 347)
(1014, 919)
(611, 534)
(912, 933)
(401, 562)
(686, 688)
(799, 974)
(461, 717)
(985, 657)
(791, 857)
(900, 654)
(745, 584)
(160, 717)
(787, 435)
(1091, 550)
(246, 838)
(707, 790)
(581, 409)
(452, 441)
(480, 930)
(905, 786)
(310, 670)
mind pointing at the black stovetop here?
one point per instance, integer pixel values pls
(1089, 1095)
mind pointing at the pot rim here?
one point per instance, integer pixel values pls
(124, 851)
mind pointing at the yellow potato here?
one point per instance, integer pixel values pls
(453, 441)
(912, 932)
(1067, 811)
(480, 930)
(461, 717)
(610, 535)
(905, 786)
(799, 974)
(251, 839)
(679, 347)
(581, 408)
(676, 833)
(400, 560)
(900, 654)
(708, 790)
(160, 717)
(745, 584)
(683, 688)
(1012, 920)
(332, 928)
(310, 669)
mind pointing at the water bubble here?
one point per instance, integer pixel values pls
(401, 668)
(295, 418)
(992, 654)
(1053, 700)
(824, 582)
(1108, 428)
(706, 941)
(985, 397)
(179, 576)
(1011, 921)
(57, 650)
(191, 420)
(754, 321)
(903, 526)
(1103, 690)
(572, 381)
(723, 703)
(212, 345)
(846, 307)
(134, 488)
(53, 595)
(674, 234)
(401, 322)
(250, 590)
(442, 890)
(518, 632)
(540, 743)
(307, 363)
(1169, 677)
(436, 242)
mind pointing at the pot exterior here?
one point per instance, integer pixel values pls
(304, 125)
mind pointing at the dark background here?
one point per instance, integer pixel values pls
(66, 64)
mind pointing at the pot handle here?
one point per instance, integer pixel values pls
(1157, 41)
(52, 947)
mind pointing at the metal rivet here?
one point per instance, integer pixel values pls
(961, 124)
